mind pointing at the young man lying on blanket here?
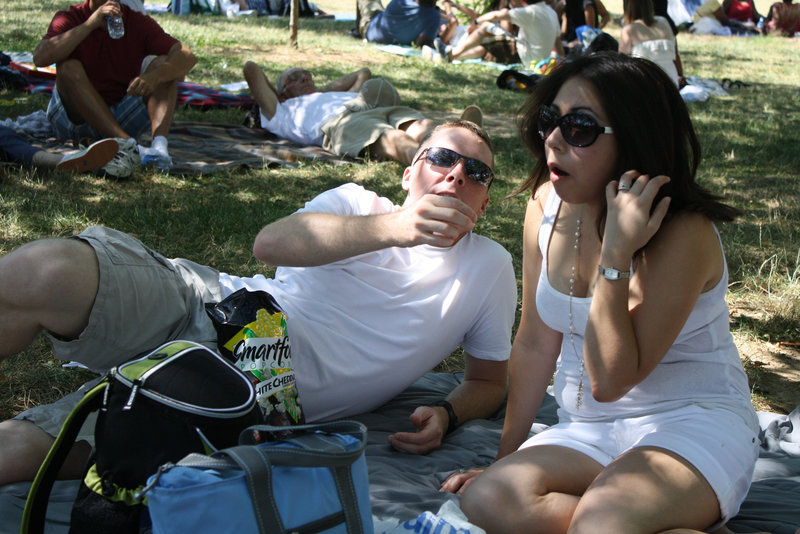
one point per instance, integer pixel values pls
(350, 116)
(375, 295)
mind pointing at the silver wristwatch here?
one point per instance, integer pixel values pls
(612, 274)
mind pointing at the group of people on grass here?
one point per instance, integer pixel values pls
(137, 97)
(512, 31)
(741, 17)
(529, 31)
(623, 285)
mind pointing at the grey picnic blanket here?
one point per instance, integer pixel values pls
(205, 148)
(199, 148)
(404, 488)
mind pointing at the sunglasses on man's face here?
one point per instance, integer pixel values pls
(444, 157)
(577, 129)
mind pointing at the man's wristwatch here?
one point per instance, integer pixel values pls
(612, 274)
(451, 414)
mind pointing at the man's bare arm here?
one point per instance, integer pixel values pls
(466, 10)
(494, 16)
(349, 82)
(178, 63)
(482, 391)
(59, 47)
(308, 239)
(265, 95)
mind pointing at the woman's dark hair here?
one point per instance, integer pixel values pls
(638, 9)
(652, 128)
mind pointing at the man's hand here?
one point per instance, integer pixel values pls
(436, 220)
(98, 18)
(143, 85)
(431, 423)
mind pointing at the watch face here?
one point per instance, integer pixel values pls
(612, 274)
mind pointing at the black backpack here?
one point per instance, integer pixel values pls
(180, 398)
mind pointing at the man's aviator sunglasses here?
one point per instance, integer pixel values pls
(444, 157)
(577, 129)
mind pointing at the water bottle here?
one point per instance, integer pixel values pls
(116, 27)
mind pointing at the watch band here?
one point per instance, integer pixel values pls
(612, 274)
(453, 419)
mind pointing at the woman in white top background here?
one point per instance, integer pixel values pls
(649, 36)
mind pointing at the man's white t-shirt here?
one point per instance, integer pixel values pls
(363, 329)
(538, 28)
(300, 119)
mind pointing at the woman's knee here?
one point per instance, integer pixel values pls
(491, 500)
(477, 500)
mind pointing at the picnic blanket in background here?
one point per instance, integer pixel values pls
(42, 80)
(404, 50)
(205, 148)
(199, 148)
(194, 94)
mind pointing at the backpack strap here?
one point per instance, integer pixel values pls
(33, 517)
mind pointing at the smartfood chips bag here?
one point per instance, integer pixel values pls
(251, 333)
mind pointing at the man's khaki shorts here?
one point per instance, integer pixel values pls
(350, 133)
(143, 300)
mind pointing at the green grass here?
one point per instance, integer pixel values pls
(750, 145)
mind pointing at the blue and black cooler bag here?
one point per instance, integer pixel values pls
(179, 399)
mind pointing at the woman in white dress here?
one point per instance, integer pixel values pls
(624, 281)
(649, 36)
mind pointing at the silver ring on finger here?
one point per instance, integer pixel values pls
(623, 187)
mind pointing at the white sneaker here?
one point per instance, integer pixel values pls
(125, 161)
(91, 158)
(159, 160)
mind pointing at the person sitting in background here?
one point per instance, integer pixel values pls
(113, 87)
(577, 13)
(496, 41)
(651, 37)
(660, 8)
(15, 149)
(783, 18)
(710, 18)
(402, 22)
(450, 31)
(351, 116)
(536, 37)
(742, 13)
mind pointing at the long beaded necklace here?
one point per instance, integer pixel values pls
(573, 275)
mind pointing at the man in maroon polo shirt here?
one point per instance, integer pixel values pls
(108, 87)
